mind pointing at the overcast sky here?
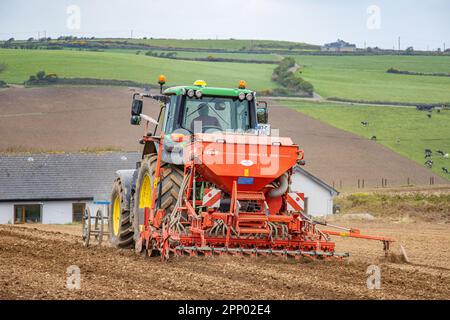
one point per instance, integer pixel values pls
(376, 23)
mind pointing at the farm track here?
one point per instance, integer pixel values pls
(69, 119)
(33, 262)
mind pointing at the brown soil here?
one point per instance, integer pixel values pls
(34, 259)
(96, 118)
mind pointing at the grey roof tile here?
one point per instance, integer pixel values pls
(61, 176)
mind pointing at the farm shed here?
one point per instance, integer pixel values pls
(55, 188)
(318, 195)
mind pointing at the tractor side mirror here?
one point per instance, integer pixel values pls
(136, 107)
(262, 113)
(136, 110)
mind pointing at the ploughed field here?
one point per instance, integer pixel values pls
(34, 261)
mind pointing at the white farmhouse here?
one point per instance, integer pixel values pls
(55, 188)
(318, 195)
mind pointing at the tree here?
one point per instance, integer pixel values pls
(40, 75)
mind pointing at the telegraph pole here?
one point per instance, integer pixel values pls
(131, 34)
(398, 44)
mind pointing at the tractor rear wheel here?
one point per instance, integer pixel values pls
(120, 227)
(171, 180)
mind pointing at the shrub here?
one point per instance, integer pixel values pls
(294, 84)
(42, 78)
(40, 75)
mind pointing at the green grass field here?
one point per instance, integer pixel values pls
(198, 54)
(365, 77)
(20, 64)
(222, 44)
(359, 78)
(242, 56)
(404, 130)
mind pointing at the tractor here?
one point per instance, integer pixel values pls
(214, 180)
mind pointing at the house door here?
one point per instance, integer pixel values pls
(27, 213)
(77, 211)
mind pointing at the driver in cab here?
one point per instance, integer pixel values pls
(204, 119)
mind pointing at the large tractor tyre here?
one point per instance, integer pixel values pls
(120, 226)
(170, 187)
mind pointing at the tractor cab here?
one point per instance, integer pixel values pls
(188, 110)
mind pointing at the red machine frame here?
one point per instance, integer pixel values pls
(305, 239)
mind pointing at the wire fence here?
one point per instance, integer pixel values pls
(381, 182)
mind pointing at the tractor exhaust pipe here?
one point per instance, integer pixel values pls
(279, 191)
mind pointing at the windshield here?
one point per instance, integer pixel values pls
(216, 114)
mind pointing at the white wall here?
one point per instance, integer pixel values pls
(53, 212)
(320, 201)
(56, 212)
(6, 212)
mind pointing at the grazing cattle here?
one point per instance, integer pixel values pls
(445, 170)
(365, 123)
(440, 152)
(428, 153)
(374, 138)
(429, 116)
(429, 163)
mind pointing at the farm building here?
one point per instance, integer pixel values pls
(318, 195)
(339, 46)
(55, 188)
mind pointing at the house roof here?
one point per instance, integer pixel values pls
(302, 171)
(60, 176)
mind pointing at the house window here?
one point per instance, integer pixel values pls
(77, 211)
(27, 213)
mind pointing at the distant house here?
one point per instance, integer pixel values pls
(55, 188)
(339, 46)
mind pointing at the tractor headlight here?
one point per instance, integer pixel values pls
(249, 96)
(241, 96)
(191, 93)
(198, 94)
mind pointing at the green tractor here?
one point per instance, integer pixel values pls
(183, 111)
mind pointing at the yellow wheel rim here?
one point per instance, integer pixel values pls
(116, 215)
(145, 193)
